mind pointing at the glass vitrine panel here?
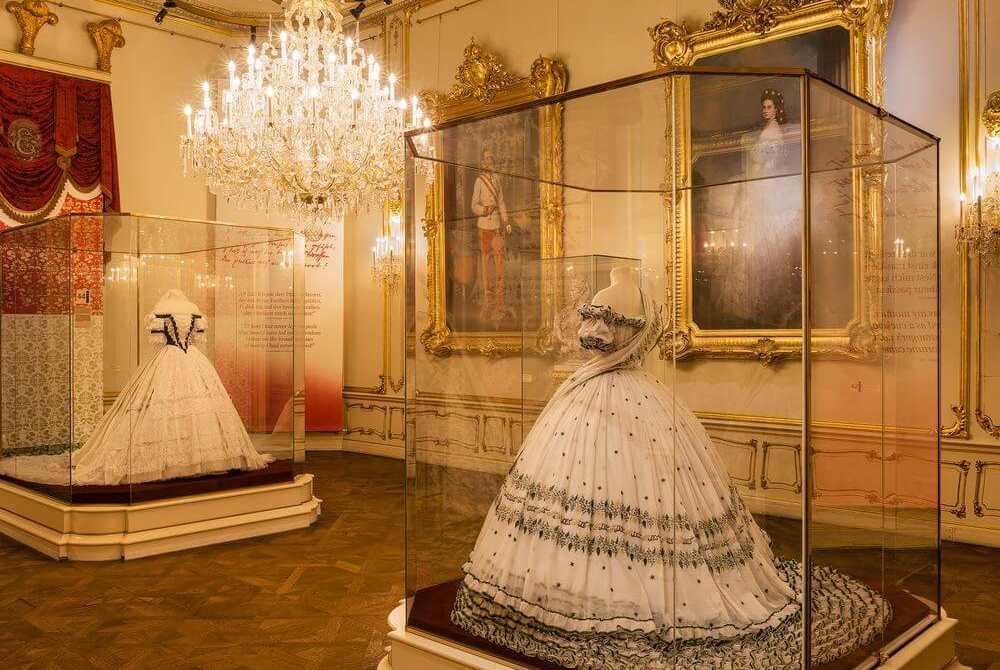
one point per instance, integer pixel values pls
(146, 357)
(658, 408)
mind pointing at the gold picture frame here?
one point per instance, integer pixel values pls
(483, 83)
(737, 25)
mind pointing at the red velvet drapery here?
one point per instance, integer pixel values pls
(53, 129)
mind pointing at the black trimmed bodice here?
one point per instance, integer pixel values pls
(172, 334)
(605, 330)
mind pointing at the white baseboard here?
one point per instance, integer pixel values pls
(987, 537)
(324, 442)
(351, 444)
(374, 449)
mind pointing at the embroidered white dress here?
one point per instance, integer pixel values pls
(173, 419)
(618, 541)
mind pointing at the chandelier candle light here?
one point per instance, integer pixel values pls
(309, 127)
(979, 226)
(387, 261)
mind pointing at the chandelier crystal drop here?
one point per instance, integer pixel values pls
(309, 126)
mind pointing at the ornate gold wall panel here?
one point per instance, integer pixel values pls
(791, 456)
(960, 470)
(397, 420)
(366, 418)
(986, 500)
(748, 478)
(738, 25)
(483, 82)
(447, 428)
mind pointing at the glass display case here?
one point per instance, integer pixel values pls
(672, 376)
(145, 357)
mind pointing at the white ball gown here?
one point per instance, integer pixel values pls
(173, 419)
(618, 542)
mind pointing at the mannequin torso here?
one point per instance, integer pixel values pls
(623, 295)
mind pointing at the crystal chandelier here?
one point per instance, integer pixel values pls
(310, 127)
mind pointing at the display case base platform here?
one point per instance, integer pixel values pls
(933, 649)
(89, 532)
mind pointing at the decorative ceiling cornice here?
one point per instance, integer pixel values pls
(209, 15)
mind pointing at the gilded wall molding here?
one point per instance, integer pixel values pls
(960, 410)
(483, 82)
(373, 418)
(767, 450)
(107, 36)
(960, 508)
(31, 17)
(742, 23)
(750, 15)
(979, 505)
(381, 430)
(751, 447)
(975, 127)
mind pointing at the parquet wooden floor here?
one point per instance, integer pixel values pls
(316, 598)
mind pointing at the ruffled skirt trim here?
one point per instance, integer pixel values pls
(846, 616)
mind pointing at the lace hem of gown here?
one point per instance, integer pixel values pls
(847, 615)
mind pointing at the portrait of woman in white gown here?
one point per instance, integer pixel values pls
(617, 540)
(748, 251)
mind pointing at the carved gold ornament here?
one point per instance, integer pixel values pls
(671, 44)
(483, 82)
(24, 139)
(740, 22)
(758, 16)
(736, 25)
(107, 36)
(31, 16)
(480, 76)
(548, 77)
(991, 115)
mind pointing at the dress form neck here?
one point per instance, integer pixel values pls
(623, 296)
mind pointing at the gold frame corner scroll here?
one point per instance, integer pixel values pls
(483, 83)
(735, 26)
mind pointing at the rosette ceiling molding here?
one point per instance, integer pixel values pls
(241, 15)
